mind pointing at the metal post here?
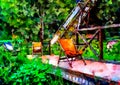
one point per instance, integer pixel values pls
(100, 44)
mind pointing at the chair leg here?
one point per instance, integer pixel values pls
(70, 62)
(58, 61)
(83, 60)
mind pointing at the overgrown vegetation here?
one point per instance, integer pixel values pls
(20, 19)
(24, 17)
(19, 70)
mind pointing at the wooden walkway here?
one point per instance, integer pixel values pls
(107, 72)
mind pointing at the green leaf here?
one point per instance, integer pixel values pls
(110, 2)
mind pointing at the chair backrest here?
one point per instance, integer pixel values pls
(68, 46)
(37, 46)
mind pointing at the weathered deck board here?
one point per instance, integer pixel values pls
(106, 71)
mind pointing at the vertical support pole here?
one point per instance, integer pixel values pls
(77, 39)
(49, 48)
(41, 32)
(100, 44)
(41, 39)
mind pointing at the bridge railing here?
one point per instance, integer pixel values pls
(98, 32)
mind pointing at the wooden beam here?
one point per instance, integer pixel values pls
(100, 45)
(88, 44)
(100, 27)
(85, 46)
(77, 39)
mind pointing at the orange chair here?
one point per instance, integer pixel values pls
(70, 50)
(36, 48)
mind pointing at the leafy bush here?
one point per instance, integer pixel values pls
(32, 73)
(19, 70)
(112, 53)
(107, 12)
(24, 17)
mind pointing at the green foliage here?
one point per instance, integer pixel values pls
(107, 12)
(25, 16)
(18, 15)
(56, 49)
(19, 70)
(15, 12)
(112, 53)
(9, 63)
(4, 33)
(31, 73)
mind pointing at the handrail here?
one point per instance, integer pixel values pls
(99, 27)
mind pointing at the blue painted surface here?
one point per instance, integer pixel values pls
(78, 1)
(8, 45)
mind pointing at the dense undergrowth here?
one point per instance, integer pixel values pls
(18, 70)
(22, 19)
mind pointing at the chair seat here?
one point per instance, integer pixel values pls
(69, 47)
(73, 53)
(37, 47)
